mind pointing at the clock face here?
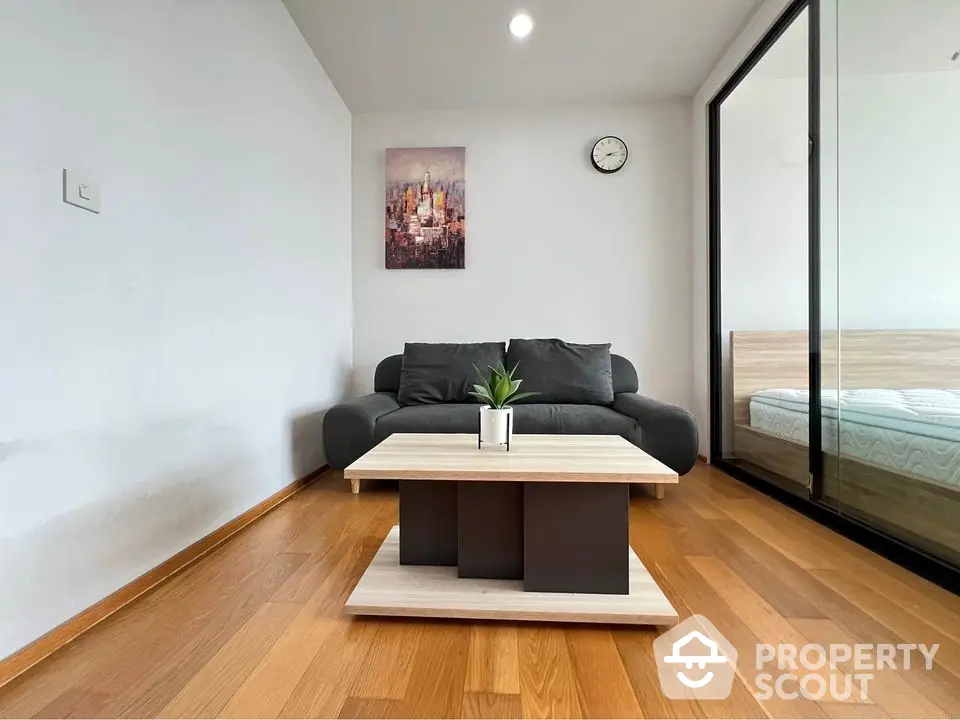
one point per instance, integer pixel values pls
(609, 154)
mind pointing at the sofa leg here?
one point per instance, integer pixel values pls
(355, 487)
(659, 491)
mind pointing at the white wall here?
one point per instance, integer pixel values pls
(553, 248)
(161, 362)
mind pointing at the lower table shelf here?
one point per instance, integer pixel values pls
(389, 588)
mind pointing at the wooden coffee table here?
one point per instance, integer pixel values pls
(537, 533)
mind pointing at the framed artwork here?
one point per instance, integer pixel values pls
(425, 203)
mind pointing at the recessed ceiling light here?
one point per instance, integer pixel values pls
(521, 25)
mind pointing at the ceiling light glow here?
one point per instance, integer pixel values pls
(521, 25)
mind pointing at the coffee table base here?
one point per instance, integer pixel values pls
(389, 588)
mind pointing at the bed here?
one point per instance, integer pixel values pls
(913, 431)
(890, 433)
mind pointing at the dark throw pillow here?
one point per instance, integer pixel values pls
(562, 372)
(444, 372)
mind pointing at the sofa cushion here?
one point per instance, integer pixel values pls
(431, 418)
(444, 372)
(562, 372)
(546, 419)
(566, 419)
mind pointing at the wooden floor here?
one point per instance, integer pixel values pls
(255, 628)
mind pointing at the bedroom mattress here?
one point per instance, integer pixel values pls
(913, 431)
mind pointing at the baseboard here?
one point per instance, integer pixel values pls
(702, 458)
(63, 634)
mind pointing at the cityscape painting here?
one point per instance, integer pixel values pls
(425, 208)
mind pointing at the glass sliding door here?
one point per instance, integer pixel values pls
(834, 243)
(891, 250)
(760, 140)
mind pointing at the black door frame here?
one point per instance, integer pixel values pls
(779, 27)
(933, 568)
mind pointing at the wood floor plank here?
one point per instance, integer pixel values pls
(652, 536)
(603, 685)
(490, 705)
(740, 704)
(548, 684)
(888, 691)
(890, 579)
(204, 639)
(303, 584)
(852, 710)
(323, 687)
(701, 598)
(899, 619)
(212, 687)
(493, 664)
(209, 600)
(936, 606)
(938, 686)
(435, 687)
(334, 523)
(924, 600)
(74, 703)
(693, 535)
(711, 540)
(29, 694)
(169, 660)
(386, 668)
(371, 708)
(700, 504)
(344, 523)
(635, 647)
(271, 683)
(787, 544)
(172, 641)
(762, 619)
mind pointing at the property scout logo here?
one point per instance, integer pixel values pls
(695, 661)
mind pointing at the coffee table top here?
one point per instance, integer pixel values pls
(532, 458)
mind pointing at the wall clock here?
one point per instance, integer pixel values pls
(609, 154)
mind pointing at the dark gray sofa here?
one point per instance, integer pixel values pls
(667, 432)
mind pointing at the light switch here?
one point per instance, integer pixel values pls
(82, 193)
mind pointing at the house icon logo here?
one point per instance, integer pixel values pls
(694, 661)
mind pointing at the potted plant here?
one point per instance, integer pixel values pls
(498, 390)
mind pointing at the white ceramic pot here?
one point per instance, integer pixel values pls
(496, 425)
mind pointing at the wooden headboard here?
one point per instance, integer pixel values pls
(762, 359)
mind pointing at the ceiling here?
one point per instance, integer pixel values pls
(453, 54)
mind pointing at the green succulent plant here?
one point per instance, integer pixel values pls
(498, 389)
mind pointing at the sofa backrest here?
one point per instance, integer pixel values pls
(387, 376)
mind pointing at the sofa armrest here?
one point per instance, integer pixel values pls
(667, 432)
(348, 428)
